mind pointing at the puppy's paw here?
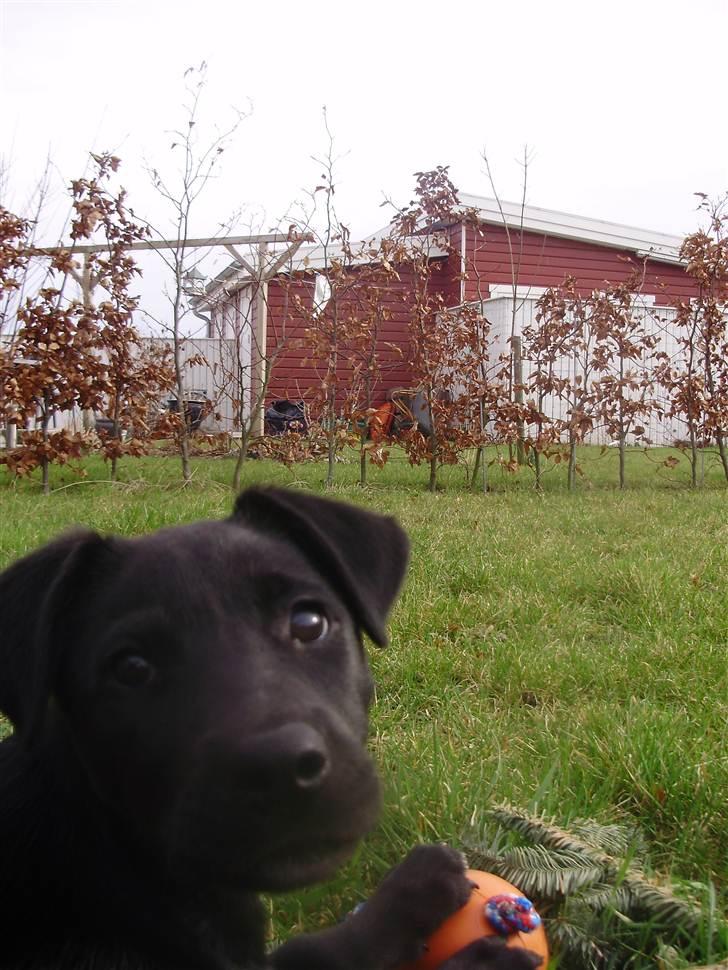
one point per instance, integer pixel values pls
(491, 953)
(420, 893)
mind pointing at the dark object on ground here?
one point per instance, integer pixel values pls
(403, 419)
(421, 414)
(105, 425)
(194, 408)
(283, 416)
(411, 409)
(190, 715)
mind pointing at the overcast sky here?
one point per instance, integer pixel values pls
(622, 104)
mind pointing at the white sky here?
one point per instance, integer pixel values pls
(622, 104)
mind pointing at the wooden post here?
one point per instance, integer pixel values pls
(518, 386)
(88, 418)
(11, 435)
(261, 339)
(263, 273)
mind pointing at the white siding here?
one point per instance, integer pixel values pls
(658, 320)
(212, 372)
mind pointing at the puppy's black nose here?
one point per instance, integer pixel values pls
(294, 756)
(311, 767)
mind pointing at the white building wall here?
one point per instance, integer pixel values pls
(213, 369)
(212, 373)
(658, 320)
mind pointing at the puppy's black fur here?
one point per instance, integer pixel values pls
(190, 712)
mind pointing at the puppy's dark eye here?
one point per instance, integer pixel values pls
(131, 670)
(308, 623)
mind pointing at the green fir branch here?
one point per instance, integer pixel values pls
(575, 946)
(546, 874)
(588, 876)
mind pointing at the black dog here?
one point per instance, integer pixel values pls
(190, 711)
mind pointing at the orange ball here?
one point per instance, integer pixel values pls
(470, 923)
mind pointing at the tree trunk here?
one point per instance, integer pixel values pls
(518, 396)
(693, 457)
(363, 458)
(476, 466)
(723, 452)
(432, 484)
(116, 432)
(367, 425)
(331, 415)
(331, 444)
(45, 464)
(481, 465)
(710, 384)
(539, 440)
(622, 432)
(184, 450)
(240, 461)
(572, 463)
(182, 436)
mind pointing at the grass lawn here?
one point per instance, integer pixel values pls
(564, 652)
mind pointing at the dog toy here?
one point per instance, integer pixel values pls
(495, 908)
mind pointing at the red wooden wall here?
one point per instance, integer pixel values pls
(544, 261)
(297, 375)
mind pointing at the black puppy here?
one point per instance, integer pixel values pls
(190, 712)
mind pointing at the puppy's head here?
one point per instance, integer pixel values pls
(211, 681)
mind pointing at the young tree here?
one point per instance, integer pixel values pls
(509, 374)
(344, 340)
(20, 273)
(136, 378)
(697, 381)
(437, 332)
(199, 163)
(624, 385)
(376, 287)
(250, 351)
(342, 296)
(564, 339)
(14, 258)
(330, 322)
(56, 365)
(593, 352)
(543, 349)
(69, 354)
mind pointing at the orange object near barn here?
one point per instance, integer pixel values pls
(471, 923)
(381, 421)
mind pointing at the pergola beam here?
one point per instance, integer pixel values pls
(274, 237)
(239, 258)
(87, 281)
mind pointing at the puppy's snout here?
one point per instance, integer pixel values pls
(293, 756)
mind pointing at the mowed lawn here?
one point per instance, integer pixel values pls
(567, 653)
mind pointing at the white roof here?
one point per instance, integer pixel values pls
(645, 242)
(313, 258)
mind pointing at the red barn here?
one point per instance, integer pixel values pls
(519, 252)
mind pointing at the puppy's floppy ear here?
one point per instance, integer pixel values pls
(361, 554)
(33, 593)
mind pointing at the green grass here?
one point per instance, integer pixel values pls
(567, 653)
